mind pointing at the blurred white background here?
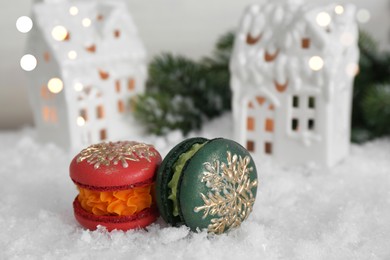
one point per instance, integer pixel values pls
(188, 27)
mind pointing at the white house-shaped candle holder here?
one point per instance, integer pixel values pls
(292, 72)
(90, 63)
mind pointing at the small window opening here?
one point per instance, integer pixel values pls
(46, 114)
(295, 101)
(118, 86)
(269, 125)
(45, 93)
(268, 147)
(53, 115)
(305, 43)
(49, 114)
(260, 100)
(103, 134)
(281, 87)
(252, 40)
(295, 124)
(312, 102)
(46, 56)
(250, 123)
(104, 74)
(100, 111)
(250, 146)
(310, 124)
(91, 48)
(131, 84)
(121, 106)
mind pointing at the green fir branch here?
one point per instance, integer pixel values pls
(376, 107)
(374, 70)
(182, 93)
(160, 113)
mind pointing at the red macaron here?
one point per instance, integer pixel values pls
(116, 183)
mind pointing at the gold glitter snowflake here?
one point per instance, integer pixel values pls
(115, 152)
(231, 198)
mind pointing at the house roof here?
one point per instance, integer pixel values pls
(276, 40)
(96, 31)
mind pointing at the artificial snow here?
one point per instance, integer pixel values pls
(301, 212)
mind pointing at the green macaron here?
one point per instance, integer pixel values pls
(206, 184)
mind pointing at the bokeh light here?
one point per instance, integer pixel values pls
(24, 24)
(78, 86)
(363, 16)
(59, 33)
(323, 19)
(28, 62)
(55, 85)
(73, 10)
(339, 9)
(316, 63)
(80, 121)
(72, 55)
(86, 22)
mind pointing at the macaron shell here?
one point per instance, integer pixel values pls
(113, 177)
(164, 175)
(191, 185)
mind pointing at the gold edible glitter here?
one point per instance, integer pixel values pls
(115, 152)
(231, 199)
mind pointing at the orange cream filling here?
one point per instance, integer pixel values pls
(115, 203)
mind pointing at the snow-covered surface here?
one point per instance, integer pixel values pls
(301, 212)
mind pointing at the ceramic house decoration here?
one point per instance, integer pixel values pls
(90, 62)
(292, 71)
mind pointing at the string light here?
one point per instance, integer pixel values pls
(339, 9)
(316, 63)
(363, 16)
(28, 62)
(24, 24)
(323, 19)
(72, 55)
(55, 85)
(59, 33)
(86, 22)
(73, 10)
(80, 121)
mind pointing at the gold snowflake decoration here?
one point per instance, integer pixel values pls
(107, 153)
(231, 198)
